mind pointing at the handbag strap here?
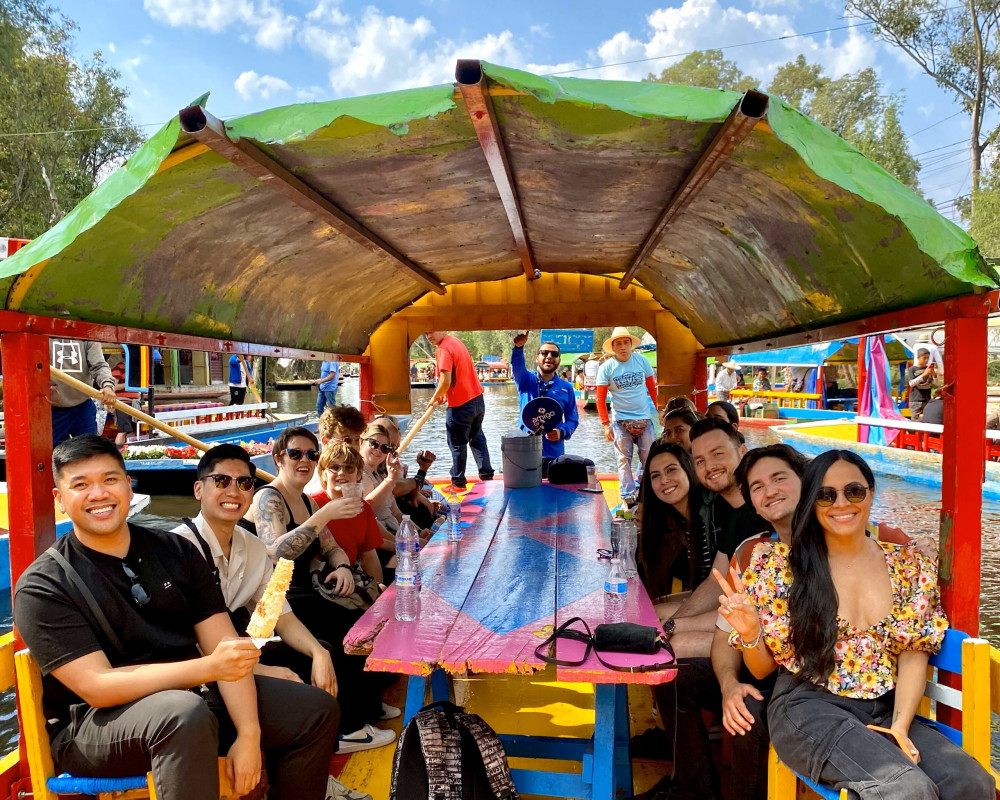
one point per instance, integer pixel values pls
(89, 599)
(564, 631)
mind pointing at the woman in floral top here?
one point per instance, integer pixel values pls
(850, 623)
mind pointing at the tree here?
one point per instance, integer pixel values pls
(706, 68)
(984, 226)
(854, 107)
(64, 125)
(957, 44)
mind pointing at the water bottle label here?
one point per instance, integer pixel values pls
(406, 580)
(616, 588)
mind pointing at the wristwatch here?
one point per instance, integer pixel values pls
(669, 626)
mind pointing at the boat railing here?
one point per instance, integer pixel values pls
(926, 437)
(781, 399)
(201, 416)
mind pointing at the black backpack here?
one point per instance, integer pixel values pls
(447, 754)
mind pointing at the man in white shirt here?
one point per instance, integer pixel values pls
(726, 380)
(225, 489)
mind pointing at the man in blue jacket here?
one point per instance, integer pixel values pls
(544, 382)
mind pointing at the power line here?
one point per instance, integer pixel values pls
(937, 123)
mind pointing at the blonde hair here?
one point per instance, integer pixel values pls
(340, 451)
(376, 429)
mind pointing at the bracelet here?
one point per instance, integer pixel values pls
(752, 645)
(420, 478)
(341, 566)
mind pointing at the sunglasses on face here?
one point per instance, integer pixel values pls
(346, 469)
(139, 594)
(549, 353)
(853, 493)
(296, 455)
(385, 448)
(244, 483)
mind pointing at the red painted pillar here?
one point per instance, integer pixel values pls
(963, 467)
(366, 389)
(699, 380)
(28, 424)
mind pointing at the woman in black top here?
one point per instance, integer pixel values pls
(274, 516)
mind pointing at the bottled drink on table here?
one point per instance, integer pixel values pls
(407, 570)
(615, 593)
(628, 536)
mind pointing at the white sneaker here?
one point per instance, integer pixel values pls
(335, 790)
(368, 738)
(389, 712)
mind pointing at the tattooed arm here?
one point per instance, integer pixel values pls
(271, 518)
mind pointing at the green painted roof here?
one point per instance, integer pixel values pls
(795, 231)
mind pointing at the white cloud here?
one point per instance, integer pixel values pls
(540, 31)
(675, 31)
(270, 27)
(379, 52)
(250, 85)
(111, 47)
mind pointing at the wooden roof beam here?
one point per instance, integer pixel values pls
(479, 104)
(742, 119)
(211, 132)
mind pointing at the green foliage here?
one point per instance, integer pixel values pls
(853, 107)
(984, 225)
(706, 68)
(993, 373)
(46, 91)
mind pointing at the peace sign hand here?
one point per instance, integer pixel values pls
(735, 606)
(521, 339)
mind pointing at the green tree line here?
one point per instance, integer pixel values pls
(63, 127)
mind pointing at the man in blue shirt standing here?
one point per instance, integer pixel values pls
(328, 381)
(544, 382)
(237, 382)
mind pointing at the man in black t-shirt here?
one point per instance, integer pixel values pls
(920, 378)
(117, 666)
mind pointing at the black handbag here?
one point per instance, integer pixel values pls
(568, 468)
(617, 637)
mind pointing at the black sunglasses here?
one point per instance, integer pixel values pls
(295, 454)
(553, 353)
(385, 448)
(853, 493)
(139, 594)
(244, 482)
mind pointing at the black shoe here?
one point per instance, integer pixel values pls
(486, 477)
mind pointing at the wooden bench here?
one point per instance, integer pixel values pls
(44, 782)
(960, 655)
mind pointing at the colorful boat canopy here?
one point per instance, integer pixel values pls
(244, 238)
(816, 355)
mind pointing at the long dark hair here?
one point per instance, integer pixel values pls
(664, 528)
(813, 600)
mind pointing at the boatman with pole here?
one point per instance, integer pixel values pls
(544, 382)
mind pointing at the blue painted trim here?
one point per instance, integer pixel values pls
(814, 413)
(557, 747)
(549, 784)
(605, 717)
(416, 687)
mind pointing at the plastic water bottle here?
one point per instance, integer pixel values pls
(630, 569)
(615, 593)
(407, 570)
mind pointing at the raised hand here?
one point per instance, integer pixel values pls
(344, 508)
(735, 606)
(233, 659)
(394, 467)
(521, 339)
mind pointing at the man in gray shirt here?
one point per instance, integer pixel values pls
(73, 412)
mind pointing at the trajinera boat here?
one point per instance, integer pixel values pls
(712, 219)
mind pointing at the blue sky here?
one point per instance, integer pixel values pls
(254, 54)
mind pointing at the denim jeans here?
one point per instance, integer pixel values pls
(748, 775)
(325, 399)
(823, 736)
(624, 443)
(464, 425)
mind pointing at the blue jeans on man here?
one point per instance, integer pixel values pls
(464, 425)
(625, 442)
(73, 421)
(325, 399)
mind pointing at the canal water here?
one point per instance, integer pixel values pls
(913, 507)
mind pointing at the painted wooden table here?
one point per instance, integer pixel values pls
(528, 561)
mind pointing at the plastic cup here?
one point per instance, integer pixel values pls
(350, 490)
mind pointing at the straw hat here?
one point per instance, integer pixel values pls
(730, 365)
(620, 333)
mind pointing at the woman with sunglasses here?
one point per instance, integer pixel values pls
(850, 622)
(376, 450)
(292, 526)
(339, 466)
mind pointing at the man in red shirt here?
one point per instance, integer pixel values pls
(459, 386)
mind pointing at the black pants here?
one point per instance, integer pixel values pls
(359, 692)
(237, 394)
(180, 734)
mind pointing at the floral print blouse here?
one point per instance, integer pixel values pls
(865, 660)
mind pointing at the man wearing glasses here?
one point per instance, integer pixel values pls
(118, 617)
(544, 382)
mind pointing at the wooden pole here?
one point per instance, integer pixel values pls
(412, 430)
(153, 422)
(253, 386)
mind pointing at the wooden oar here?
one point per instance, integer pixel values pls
(412, 430)
(90, 391)
(253, 387)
